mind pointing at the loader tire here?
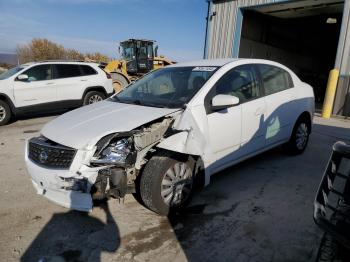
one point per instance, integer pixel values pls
(119, 82)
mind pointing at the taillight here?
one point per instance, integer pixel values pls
(108, 75)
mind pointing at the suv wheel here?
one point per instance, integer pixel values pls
(5, 113)
(166, 183)
(300, 136)
(93, 97)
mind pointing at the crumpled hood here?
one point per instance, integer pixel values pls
(88, 124)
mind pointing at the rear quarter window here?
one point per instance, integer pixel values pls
(88, 70)
(275, 79)
(66, 71)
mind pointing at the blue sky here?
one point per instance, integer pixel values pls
(98, 25)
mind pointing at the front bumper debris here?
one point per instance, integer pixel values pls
(65, 187)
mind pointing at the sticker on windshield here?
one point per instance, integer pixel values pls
(204, 68)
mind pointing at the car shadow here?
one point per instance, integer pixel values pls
(28, 116)
(260, 209)
(74, 236)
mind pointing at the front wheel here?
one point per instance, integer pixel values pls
(5, 113)
(166, 183)
(300, 136)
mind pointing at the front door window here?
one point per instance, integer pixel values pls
(39, 73)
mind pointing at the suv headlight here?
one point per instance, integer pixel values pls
(119, 152)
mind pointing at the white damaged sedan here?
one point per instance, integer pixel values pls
(171, 128)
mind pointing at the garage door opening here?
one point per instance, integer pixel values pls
(302, 37)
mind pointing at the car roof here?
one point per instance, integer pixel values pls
(206, 62)
(60, 62)
(222, 62)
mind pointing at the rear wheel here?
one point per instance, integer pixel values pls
(5, 113)
(166, 183)
(93, 97)
(300, 136)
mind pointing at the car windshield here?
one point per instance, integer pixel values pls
(10, 72)
(171, 87)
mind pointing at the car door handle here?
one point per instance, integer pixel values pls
(49, 83)
(259, 111)
(83, 80)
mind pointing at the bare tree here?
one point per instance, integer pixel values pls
(74, 55)
(40, 49)
(97, 57)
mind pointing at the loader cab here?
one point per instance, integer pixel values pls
(138, 55)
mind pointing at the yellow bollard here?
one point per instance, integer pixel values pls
(330, 93)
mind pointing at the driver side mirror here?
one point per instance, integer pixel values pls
(156, 51)
(23, 78)
(223, 101)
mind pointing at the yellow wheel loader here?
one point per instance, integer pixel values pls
(138, 57)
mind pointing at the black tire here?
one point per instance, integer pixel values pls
(301, 130)
(151, 183)
(5, 113)
(93, 97)
(328, 249)
(119, 82)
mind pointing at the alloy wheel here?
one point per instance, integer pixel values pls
(2, 113)
(301, 136)
(94, 99)
(177, 184)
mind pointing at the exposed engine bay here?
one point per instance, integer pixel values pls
(123, 156)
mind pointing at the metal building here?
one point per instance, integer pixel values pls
(309, 36)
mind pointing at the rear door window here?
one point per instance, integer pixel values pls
(39, 73)
(88, 70)
(275, 79)
(66, 71)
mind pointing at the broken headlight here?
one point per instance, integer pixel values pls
(119, 152)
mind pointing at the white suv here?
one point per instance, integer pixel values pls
(51, 85)
(174, 126)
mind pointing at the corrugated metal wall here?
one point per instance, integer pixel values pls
(224, 36)
(223, 26)
(342, 99)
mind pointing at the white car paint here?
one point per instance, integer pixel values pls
(31, 93)
(98, 120)
(219, 138)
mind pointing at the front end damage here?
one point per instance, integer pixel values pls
(75, 178)
(122, 156)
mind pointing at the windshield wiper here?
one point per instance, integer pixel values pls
(154, 105)
(133, 102)
(136, 102)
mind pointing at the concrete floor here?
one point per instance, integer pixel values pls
(260, 210)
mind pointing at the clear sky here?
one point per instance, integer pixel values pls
(98, 25)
